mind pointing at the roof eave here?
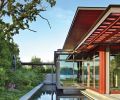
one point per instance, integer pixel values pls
(109, 8)
(80, 8)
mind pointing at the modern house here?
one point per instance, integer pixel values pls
(90, 57)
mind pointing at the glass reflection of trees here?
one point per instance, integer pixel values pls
(115, 71)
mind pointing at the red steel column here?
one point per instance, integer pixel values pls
(102, 70)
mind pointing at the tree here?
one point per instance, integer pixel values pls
(114, 70)
(16, 15)
(36, 60)
(20, 13)
(117, 60)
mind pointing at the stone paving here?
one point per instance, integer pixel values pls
(50, 79)
(96, 96)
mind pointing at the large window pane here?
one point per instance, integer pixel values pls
(91, 71)
(115, 71)
(68, 72)
(97, 71)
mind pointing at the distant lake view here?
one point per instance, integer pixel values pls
(75, 76)
(67, 76)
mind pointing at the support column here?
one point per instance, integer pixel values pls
(73, 67)
(94, 71)
(52, 74)
(79, 74)
(88, 76)
(83, 72)
(107, 70)
(58, 74)
(102, 70)
(80, 71)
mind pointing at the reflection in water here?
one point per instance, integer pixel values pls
(48, 92)
(46, 96)
(72, 98)
(75, 98)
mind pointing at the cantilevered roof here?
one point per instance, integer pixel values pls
(92, 27)
(84, 18)
(105, 31)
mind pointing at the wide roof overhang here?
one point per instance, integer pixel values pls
(105, 29)
(84, 18)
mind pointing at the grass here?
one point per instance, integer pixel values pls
(68, 82)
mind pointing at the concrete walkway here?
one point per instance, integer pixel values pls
(96, 96)
(115, 96)
(50, 79)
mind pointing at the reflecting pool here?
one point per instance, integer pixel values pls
(49, 92)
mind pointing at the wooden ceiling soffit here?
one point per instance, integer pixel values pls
(83, 20)
(106, 30)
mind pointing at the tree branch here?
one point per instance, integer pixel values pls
(46, 20)
(2, 5)
(31, 30)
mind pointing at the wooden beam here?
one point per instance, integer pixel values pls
(39, 64)
(103, 26)
(107, 70)
(107, 44)
(111, 19)
(110, 35)
(104, 30)
(118, 27)
(115, 14)
(106, 23)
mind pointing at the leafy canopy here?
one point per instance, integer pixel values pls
(20, 13)
(36, 60)
(16, 15)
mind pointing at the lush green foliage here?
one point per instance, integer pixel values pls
(42, 68)
(16, 15)
(35, 60)
(23, 81)
(19, 14)
(115, 63)
(115, 71)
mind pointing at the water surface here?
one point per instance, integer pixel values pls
(48, 92)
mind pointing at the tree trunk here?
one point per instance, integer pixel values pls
(113, 80)
(116, 80)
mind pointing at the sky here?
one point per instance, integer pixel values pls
(45, 41)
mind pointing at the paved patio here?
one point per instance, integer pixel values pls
(96, 96)
(50, 79)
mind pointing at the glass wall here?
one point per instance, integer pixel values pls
(88, 72)
(115, 71)
(83, 72)
(90, 68)
(68, 71)
(96, 68)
